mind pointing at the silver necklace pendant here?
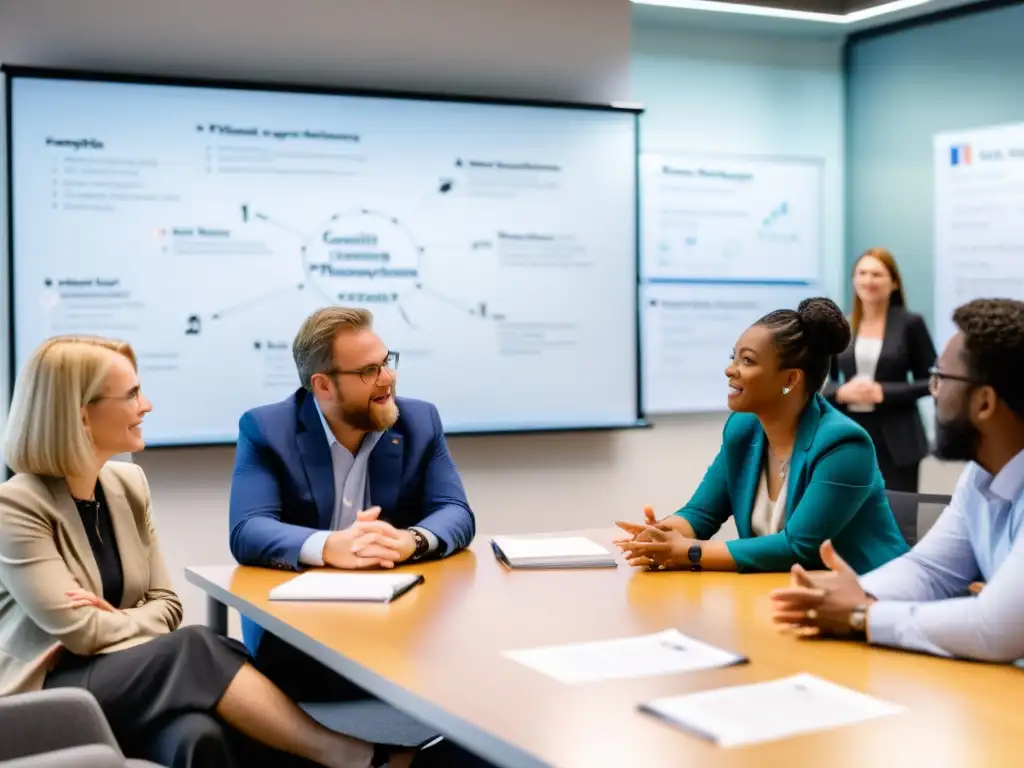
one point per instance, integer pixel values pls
(783, 465)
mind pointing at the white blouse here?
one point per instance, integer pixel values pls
(768, 516)
(865, 353)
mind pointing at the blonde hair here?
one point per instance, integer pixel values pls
(313, 348)
(45, 434)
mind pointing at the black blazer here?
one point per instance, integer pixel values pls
(907, 348)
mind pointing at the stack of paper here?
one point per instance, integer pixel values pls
(551, 552)
(750, 714)
(664, 653)
(355, 587)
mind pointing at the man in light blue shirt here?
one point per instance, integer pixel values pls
(920, 601)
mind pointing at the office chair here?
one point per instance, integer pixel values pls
(916, 513)
(58, 728)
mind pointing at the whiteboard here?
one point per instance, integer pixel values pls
(724, 240)
(495, 243)
(979, 219)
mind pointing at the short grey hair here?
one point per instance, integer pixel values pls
(313, 348)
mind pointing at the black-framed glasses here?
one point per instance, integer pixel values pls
(935, 376)
(368, 373)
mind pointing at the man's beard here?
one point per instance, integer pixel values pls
(371, 417)
(956, 439)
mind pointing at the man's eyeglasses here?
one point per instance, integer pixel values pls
(369, 373)
(935, 376)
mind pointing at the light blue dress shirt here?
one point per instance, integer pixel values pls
(921, 604)
(351, 493)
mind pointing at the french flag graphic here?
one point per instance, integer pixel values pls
(960, 154)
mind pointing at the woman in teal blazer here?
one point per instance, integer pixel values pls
(792, 470)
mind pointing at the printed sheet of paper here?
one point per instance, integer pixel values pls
(665, 653)
(749, 714)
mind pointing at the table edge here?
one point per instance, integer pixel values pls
(465, 734)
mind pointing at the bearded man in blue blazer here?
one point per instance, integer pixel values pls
(341, 474)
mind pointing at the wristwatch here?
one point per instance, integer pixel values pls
(694, 554)
(422, 545)
(859, 620)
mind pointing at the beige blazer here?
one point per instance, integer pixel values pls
(44, 552)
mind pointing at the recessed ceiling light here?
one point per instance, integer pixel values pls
(786, 13)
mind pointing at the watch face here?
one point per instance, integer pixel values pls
(694, 553)
(858, 619)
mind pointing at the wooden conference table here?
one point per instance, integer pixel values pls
(436, 653)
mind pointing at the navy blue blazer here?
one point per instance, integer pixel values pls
(282, 488)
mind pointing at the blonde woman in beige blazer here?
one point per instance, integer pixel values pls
(85, 597)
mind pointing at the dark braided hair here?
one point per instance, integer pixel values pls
(993, 332)
(807, 337)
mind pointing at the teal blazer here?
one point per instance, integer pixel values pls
(835, 491)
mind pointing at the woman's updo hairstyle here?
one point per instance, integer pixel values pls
(808, 337)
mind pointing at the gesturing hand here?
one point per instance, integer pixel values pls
(637, 529)
(80, 598)
(820, 603)
(368, 543)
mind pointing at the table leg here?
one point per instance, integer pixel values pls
(216, 616)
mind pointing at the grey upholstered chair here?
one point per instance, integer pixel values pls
(916, 513)
(58, 728)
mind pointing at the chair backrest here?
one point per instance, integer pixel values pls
(916, 513)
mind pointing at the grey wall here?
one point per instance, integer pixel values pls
(901, 89)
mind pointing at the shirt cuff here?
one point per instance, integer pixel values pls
(884, 620)
(312, 551)
(432, 541)
(875, 587)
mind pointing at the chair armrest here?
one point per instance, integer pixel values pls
(54, 719)
(90, 756)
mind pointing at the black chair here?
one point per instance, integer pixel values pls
(916, 513)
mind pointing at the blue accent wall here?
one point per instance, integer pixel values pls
(901, 89)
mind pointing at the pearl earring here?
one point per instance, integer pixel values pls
(785, 390)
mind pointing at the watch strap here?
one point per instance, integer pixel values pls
(422, 545)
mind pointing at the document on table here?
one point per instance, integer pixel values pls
(551, 552)
(346, 587)
(663, 653)
(749, 714)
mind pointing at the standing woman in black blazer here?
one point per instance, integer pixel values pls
(880, 377)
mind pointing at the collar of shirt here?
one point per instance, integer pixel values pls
(367, 445)
(1005, 486)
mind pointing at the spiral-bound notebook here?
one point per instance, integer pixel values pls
(346, 587)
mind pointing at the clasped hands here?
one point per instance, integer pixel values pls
(368, 543)
(860, 392)
(654, 544)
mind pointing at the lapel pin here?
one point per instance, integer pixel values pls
(395, 441)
